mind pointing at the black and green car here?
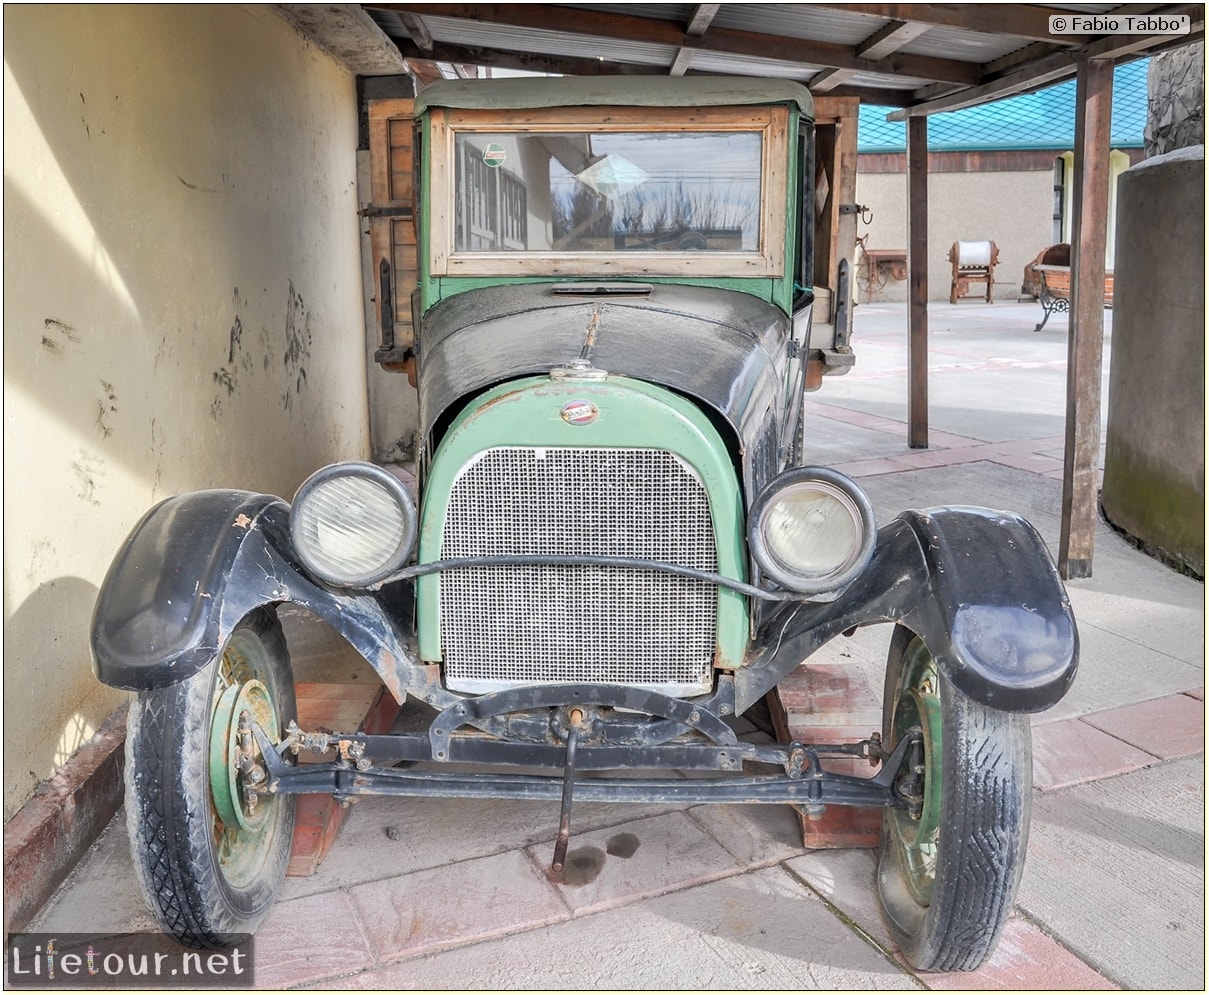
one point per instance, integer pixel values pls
(617, 540)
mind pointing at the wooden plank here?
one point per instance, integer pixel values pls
(1093, 131)
(917, 275)
(845, 181)
(392, 185)
(890, 38)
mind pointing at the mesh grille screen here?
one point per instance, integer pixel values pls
(591, 624)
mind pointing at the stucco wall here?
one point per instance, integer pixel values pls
(1154, 460)
(182, 306)
(1013, 209)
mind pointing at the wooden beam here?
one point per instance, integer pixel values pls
(415, 26)
(531, 61)
(702, 18)
(829, 79)
(917, 277)
(650, 31)
(890, 38)
(698, 24)
(1085, 351)
(1020, 20)
(1048, 69)
(680, 64)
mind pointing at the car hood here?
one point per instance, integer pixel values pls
(724, 348)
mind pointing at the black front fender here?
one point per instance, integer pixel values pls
(198, 563)
(978, 586)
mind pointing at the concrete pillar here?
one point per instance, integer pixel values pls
(1154, 463)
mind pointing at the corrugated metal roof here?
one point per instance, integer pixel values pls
(539, 40)
(928, 58)
(1041, 120)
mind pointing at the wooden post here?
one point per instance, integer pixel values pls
(1085, 351)
(917, 266)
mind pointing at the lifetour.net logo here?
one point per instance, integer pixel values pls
(83, 961)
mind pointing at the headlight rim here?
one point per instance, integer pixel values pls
(403, 500)
(822, 585)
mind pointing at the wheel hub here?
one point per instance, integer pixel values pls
(235, 763)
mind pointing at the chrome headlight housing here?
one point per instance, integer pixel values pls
(352, 524)
(812, 530)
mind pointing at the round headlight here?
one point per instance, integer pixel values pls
(352, 524)
(812, 530)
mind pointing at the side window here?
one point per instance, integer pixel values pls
(492, 203)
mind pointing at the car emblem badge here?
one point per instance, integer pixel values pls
(579, 412)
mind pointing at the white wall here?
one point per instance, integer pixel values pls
(1012, 209)
(182, 306)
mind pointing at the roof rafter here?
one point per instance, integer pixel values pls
(626, 27)
(1021, 20)
(698, 24)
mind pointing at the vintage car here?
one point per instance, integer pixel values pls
(618, 541)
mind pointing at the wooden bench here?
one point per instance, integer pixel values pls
(1055, 290)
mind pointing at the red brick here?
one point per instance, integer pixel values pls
(358, 707)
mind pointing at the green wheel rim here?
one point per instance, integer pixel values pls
(238, 835)
(226, 779)
(918, 705)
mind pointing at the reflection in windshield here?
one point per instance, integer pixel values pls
(608, 192)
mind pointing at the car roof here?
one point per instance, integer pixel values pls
(620, 91)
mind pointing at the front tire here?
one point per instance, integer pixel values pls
(209, 864)
(949, 866)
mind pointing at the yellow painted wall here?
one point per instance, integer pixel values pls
(182, 306)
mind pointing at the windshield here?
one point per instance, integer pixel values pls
(608, 192)
(573, 191)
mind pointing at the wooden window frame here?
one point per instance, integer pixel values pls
(767, 261)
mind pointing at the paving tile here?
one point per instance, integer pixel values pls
(870, 467)
(308, 939)
(1025, 959)
(921, 459)
(637, 859)
(1028, 461)
(1071, 752)
(762, 931)
(848, 880)
(752, 834)
(945, 440)
(1197, 693)
(1168, 727)
(459, 903)
(101, 894)
(1116, 873)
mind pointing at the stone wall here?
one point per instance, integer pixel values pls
(1176, 104)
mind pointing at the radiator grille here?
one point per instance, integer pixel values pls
(511, 626)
